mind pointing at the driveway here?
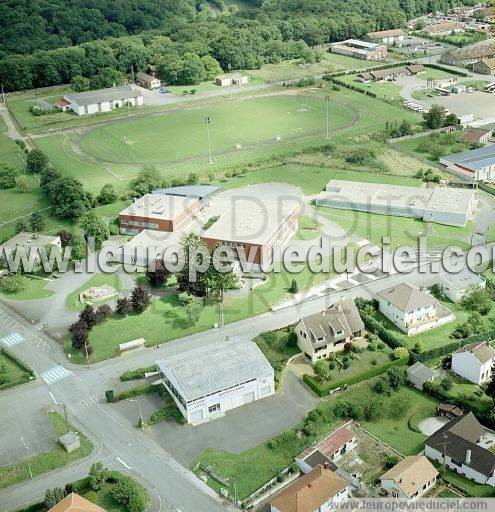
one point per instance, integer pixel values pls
(239, 430)
(430, 425)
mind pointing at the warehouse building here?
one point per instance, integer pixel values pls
(254, 220)
(158, 212)
(103, 100)
(201, 192)
(208, 381)
(386, 36)
(360, 49)
(474, 165)
(445, 205)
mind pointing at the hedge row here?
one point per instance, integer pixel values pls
(375, 327)
(138, 373)
(447, 70)
(323, 390)
(351, 87)
(447, 350)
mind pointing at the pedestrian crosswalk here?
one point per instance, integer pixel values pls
(55, 374)
(82, 404)
(13, 339)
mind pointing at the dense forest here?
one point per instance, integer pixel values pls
(98, 42)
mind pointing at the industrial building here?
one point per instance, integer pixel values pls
(457, 285)
(201, 192)
(212, 379)
(360, 49)
(386, 36)
(474, 165)
(445, 205)
(103, 100)
(254, 220)
(158, 212)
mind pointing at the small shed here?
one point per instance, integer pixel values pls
(223, 81)
(70, 441)
(418, 374)
(449, 410)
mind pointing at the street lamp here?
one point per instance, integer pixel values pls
(207, 122)
(29, 463)
(327, 102)
(140, 411)
(64, 407)
(230, 79)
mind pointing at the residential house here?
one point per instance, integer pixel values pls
(103, 100)
(476, 136)
(469, 55)
(312, 458)
(75, 503)
(444, 29)
(321, 334)
(379, 75)
(412, 477)
(412, 310)
(474, 362)
(419, 374)
(457, 285)
(317, 491)
(386, 36)
(210, 380)
(457, 445)
(485, 66)
(148, 81)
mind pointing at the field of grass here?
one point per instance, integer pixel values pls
(433, 146)
(52, 459)
(308, 229)
(10, 152)
(35, 289)
(471, 488)
(384, 90)
(72, 301)
(13, 373)
(400, 230)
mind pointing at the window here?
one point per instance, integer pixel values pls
(214, 408)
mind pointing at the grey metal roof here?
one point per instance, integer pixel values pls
(459, 435)
(197, 191)
(475, 159)
(482, 351)
(216, 366)
(421, 372)
(110, 94)
(406, 298)
(463, 279)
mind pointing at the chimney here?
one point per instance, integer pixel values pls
(325, 465)
(468, 457)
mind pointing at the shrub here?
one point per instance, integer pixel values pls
(372, 347)
(401, 353)
(109, 395)
(446, 383)
(348, 346)
(13, 283)
(346, 364)
(91, 496)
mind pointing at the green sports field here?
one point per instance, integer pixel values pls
(181, 134)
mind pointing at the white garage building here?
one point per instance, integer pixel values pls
(208, 381)
(103, 100)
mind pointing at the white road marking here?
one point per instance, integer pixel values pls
(55, 374)
(12, 339)
(53, 398)
(123, 463)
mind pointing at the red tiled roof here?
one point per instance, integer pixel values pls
(335, 441)
(62, 102)
(473, 135)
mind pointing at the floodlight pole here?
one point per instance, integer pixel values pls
(327, 101)
(28, 461)
(230, 79)
(208, 121)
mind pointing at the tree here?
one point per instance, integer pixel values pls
(157, 273)
(79, 250)
(140, 299)
(36, 161)
(88, 316)
(8, 176)
(476, 299)
(21, 226)
(79, 83)
(400, 353)
(107, 194)
(435, 118)
(13, 283)
(79, 331)
(97, 476)
(95, 228)
(103, 312)
(147, 180)
(293, 286)
(192, 306)
(65, 237)
(37, 222)
(405, 128)
(321, 369)
(197, 286)
(381, 387)
(418, 347)
(446, 383)
(123, 307)
(490, 387)
(396, 378)
(53, 497)
(69, 199)
(22, 183)
(107, 77)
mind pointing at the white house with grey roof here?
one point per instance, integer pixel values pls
(321, 334)
(103, 100)
(412, 310)
(208, 381)
(457, 285)
(474, 362)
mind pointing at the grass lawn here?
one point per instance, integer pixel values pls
(435, 145)
(464, 388)
(400, 230)
(471, 488)
(52, 459)
(10, 152)
(35, 289)
(13, 373)
(386, 90)
(72, 301)
(308, 229)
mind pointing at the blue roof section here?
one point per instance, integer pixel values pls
(474, 159)
(198, 191)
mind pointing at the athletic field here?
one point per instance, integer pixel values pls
(181, 134)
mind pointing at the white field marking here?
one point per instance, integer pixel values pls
(123, 463)
(53, 398)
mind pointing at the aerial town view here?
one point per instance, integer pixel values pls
(247, 255)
